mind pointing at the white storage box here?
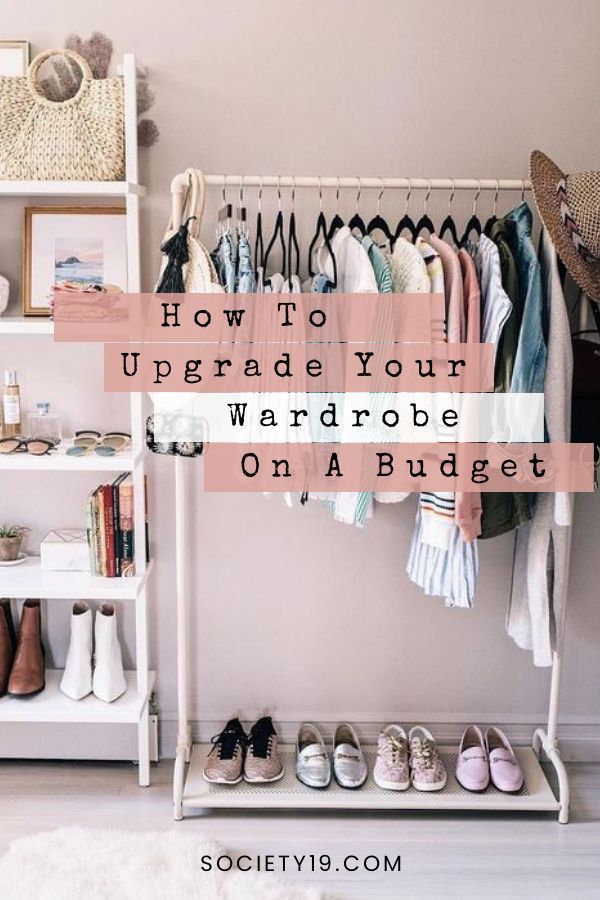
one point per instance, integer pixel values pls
(65, 550)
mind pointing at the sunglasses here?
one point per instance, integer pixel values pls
(86, 442)
(34, 446)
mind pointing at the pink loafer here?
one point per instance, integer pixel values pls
(472, 766)
(505, 770)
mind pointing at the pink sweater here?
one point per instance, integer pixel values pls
(467, 514)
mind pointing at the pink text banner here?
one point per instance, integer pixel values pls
(403, 467)
(245, 367)
(213, 318)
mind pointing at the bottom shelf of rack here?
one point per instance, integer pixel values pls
(52, 706)
(289, 793)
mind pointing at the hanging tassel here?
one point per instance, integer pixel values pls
(176, 249)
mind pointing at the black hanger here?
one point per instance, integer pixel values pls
(277, 236)
(259, 247)
(405, 222)
(292, 240)
(378, 223)
(473, 224)
(337, 222)
(424, 222)
(321, 231)
(356, 223)
(449, 224)
(493, 218)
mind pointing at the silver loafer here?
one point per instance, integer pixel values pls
(349, 764)
(312, 760)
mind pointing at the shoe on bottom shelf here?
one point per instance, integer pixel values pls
(76, 681)
(108, 681)
(505, 771)
(349, 764)
(27, 676)
(8, 642)
(426, 768)
(262, 763)
(391, 770)
(472, 766)
(225, 761)
(312, 760)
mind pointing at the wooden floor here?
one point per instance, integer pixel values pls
(510, 856)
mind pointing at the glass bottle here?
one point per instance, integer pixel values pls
(43, 424)
(11, 404)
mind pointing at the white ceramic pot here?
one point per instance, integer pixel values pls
(4, 292)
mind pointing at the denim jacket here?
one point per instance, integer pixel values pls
(530, 361)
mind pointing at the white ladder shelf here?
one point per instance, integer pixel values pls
(29, 580)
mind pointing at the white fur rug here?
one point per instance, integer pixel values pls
(107, 864)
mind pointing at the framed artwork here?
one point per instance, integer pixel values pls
(14, 58)
(72, 248)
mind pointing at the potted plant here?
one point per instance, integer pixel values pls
(11, 537)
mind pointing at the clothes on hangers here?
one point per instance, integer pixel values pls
(355, 275)
(468, 503)
(530, 358)
(541, 562)
(496, 291)
(440, 561)
(409, 275)
(224, 261)
(501, 512)
(500, 232)
(245, 275)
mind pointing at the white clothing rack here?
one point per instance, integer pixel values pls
(193, 794)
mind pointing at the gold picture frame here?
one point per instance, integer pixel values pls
(14, 58)
(79, 245)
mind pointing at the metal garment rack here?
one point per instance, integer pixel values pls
(191, 794)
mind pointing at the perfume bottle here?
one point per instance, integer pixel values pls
(44, 424)
(11, 404)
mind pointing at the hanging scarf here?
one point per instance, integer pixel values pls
(176, 249)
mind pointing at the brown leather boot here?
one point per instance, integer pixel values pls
(27, 676)
(7, 644)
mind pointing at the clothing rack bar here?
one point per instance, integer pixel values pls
(355, 182)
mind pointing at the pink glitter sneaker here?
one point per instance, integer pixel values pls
(427, 769)
(391, 770)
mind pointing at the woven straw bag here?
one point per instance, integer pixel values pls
(79, 139)
(199, 275)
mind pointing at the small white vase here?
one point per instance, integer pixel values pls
(76, 682)
(109, 678)
(4, 293)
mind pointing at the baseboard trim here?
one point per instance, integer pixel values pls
(579, 738)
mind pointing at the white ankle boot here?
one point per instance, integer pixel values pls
(109, 679)
(77, 677)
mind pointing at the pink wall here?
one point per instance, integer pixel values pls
(292, 610)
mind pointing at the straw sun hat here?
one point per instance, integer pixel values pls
(569, 206)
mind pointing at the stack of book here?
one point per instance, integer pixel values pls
(110, 528)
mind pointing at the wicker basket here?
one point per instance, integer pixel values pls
(79, 139)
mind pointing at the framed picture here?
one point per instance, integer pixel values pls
(14, 58)
(74, 248)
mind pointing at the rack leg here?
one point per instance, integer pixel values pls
(178, 779)
(542, 742)
(564, 794)
(184, 743)
(547, 741)
(144, 748)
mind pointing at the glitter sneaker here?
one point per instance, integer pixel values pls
(225, 761)
(391, 770)
(262, 762)
(426, 768)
